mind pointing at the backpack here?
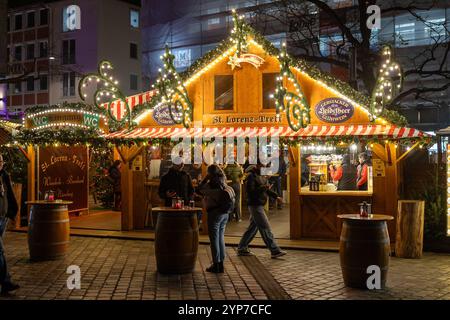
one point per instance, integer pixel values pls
(229, 199)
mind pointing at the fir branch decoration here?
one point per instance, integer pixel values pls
(109, 89)
(171, 91)
(294, 104)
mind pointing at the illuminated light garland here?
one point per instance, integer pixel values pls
(34, 115)
(64, 124)
(170, 91)
(111, 91)
(294, 105)
(389, 82)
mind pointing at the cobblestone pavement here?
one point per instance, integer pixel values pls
(123, 269)
(126, 269)
(312, 275)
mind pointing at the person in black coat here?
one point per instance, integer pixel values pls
(8, 210)
(115, 176)
(176, 183)
(258, 191)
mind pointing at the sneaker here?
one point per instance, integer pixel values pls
(278, 254)
(8, 287)
(244, 252)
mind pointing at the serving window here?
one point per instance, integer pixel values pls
(341, 168)
(269, 83)
(223, 92)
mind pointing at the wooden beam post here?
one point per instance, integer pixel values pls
(31, 181)
(294, 187)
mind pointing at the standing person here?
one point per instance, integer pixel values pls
(115, 176)
(234, 172)
(176, 183)
(345, 174)
(363, 171)
(8, 210)
(305, 169)
(219, 202)
(276, 182)
(257, 192)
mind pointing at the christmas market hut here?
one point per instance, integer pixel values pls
(248, 88)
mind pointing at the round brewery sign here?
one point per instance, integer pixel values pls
(161, 115)
(334, 110)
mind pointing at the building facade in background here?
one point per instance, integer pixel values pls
(54, 43)
(192, 28)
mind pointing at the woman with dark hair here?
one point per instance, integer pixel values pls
(115, 176)
(345, 174)
(363, 171)
(219, 201)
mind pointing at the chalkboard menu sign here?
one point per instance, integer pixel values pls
(64, 170)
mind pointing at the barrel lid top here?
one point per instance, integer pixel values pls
(372, 217)
(52, 203)
(169, 209)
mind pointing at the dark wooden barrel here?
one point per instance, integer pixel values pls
(176, 242)
(363, 243)
(48, 231)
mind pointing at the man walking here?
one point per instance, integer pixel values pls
(8, 210)
(258, 191)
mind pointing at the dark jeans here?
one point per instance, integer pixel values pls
(4, 275)
(216, 230)
(259, 222)
(237, 204)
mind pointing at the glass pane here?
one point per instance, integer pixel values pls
(269, 85)
(72, 83)
(223, 92)
(43, 83)
(30, 20)
(65, 84)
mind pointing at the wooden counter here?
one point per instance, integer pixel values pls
(319, 211)
(337, 193)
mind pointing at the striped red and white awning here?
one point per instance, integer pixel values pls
(379, 131)
(118, 107)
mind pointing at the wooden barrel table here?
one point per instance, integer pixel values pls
(364, 242)
(176, 240)
(48, 230)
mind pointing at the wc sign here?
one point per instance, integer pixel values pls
(71, 18)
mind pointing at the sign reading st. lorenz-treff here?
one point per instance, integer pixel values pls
(64, 170)
(334, 110)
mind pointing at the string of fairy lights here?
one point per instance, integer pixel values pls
(294, 105)
(106, 91)
(171, 91)
(389, 82)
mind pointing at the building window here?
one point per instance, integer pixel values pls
(18, 22)
(8, 24)
(133, 51)
(133, 82)
(43, 82)
(18, 87)
(268, 87)
(69, 84)
(405, 33)
(223, 92)
(30, 19)
(30, 51)
(134, 18)
(8, 54)
(43, 49)
(43, 17)
(18, 53)
(30, 84)
(69, 51)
